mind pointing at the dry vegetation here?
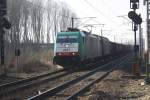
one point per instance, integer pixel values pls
(37, 62)
(31, 62)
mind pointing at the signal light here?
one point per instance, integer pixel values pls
(135, 17)
(134, 4)
(134, 1)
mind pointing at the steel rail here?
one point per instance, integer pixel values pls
(53, 91)
(25, 84)
(7, 85)
(85, 88)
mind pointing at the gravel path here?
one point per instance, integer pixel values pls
(116, 87)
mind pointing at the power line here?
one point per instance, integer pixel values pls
(94, 7)
(58, 15)
(69, 17)
(104, 15)
(100, 12)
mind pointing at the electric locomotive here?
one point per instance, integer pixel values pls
(75, 47)
(69, 47)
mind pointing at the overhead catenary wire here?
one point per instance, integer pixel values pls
(103, 14)
(69, 17)
(97, 10)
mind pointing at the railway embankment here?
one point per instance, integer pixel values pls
(30, 63)
(35, 68)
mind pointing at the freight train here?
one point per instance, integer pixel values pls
(75, 46)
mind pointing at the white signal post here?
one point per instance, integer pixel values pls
(147, 56)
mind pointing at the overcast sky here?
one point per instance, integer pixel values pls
(107, 12)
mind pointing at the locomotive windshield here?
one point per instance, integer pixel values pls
(67, 39)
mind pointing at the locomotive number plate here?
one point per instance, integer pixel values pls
(66, 49)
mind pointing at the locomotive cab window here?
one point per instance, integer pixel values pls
(67, 39)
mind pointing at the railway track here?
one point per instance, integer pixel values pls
(11, 90)
(7, 79)
(7, 85)
(81, 91)
(11, 87)
(53, 93)
(19, 89)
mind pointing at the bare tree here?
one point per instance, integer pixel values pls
(32, 21)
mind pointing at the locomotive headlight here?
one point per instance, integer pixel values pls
(67, 46)
(73, 53)
(59, 54)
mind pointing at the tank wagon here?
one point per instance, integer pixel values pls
(75, 46)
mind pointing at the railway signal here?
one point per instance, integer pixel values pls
(135, 17)
(4, 24)
(137, 20)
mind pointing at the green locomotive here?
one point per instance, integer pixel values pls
(75, 46)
